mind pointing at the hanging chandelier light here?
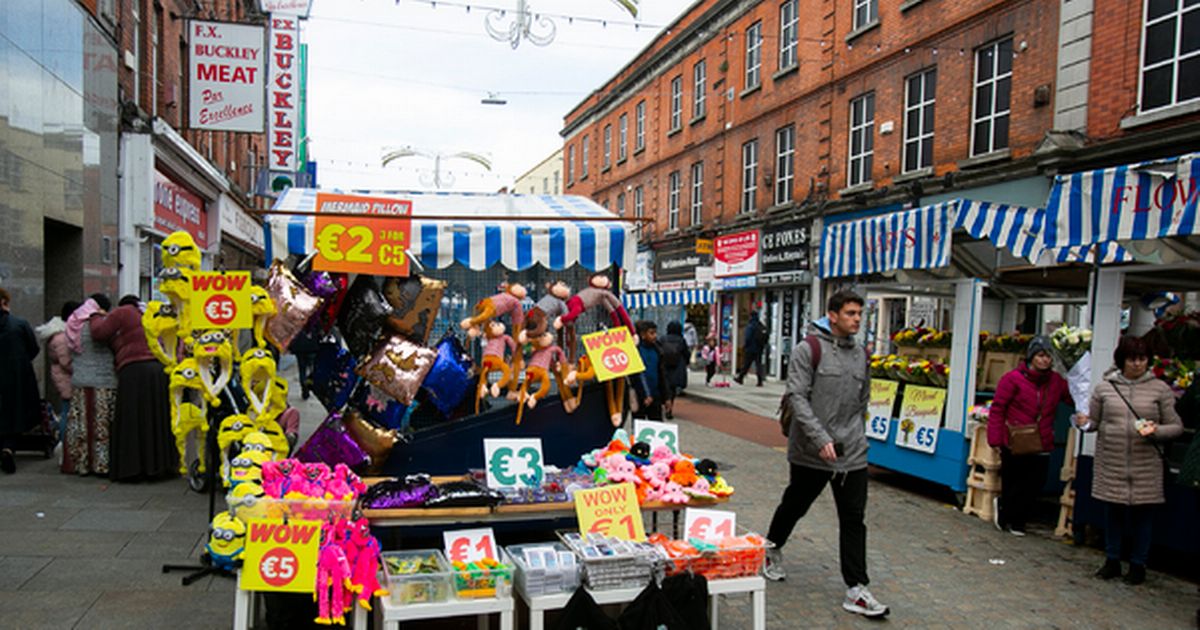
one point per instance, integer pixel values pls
(537, 28)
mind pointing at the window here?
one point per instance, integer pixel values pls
(993, 91)
(622, 137)
(639, 207)
(749, 175)
(545, 185)
(1171, 53)
(788, 27)
(673, 185)
(699, 79)
(918, 120)
(570, 165)
(862, 139)
(621, 204)
(583, 158)
(698, 193)
(785, 164)
(676, 103)
(607, 146)
(753, 55)
(556, 182)
(866, 13)
(639, 126)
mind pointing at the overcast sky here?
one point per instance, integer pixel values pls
(385, 73)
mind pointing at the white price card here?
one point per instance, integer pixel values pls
(705, 524)
(656, 433)
(513, 463)
(470, 545)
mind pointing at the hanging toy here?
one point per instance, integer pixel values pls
(258, 379)
(247, 467)
(262, 308)
(547, 358)
(507, 302)
(333, 585)
(226, 542)
(584, 372)
(212, 351)
(247, 501)
(179, 251)
(187, 417)
(597, 294)
(546, 312)
(233, 428)
(493, 361)
(160, 322)
(365, 579)
(174, 283)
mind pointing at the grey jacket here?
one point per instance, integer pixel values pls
(830, 407)
(94, 367)
(1128, 468)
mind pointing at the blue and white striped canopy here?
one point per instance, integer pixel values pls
(479, 241)
(681, 297)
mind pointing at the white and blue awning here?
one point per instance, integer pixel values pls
(487, 230)
(681, 297)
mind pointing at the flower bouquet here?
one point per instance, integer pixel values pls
(1182, 333)
(1178, 373)
(1011, 342)
(979, 413)
(1073, 346)
(909, 337)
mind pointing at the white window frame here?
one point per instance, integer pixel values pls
(639, 127)
(639, 207)
(674, 185)
(607, 146)
(789, 26)
(583, 157)
(697, 214)
(994, 80)
(676, 103)
(699, 81)
(754, 55)
(919, 135)
(570, 164)
(869, 10)
(622, 137)
(865, 157)
(621, 204)
(1174, 61)
(785, 164)
(749, 176)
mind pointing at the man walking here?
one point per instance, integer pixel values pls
(828, 391)
(652, 386)
(753, 343)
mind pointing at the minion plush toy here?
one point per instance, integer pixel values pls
(226, 542)
(247, 467)
(262, 307)
(247, 501)
(161, 325)
(258, 379)
(179, 251)
(178, 288)
(211, 348)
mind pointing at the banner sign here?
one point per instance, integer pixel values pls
(225, 77)
(610, 511)
(920, 417)
(785, 248)
(362, 244)
(680, 264)
(710, 525)
(879, 409)
(283, 95)
(177, 208)
(613, 353)
(281, 556)
(736, 254)
(220, 299)
(470, 545)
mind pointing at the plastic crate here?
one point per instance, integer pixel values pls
(248, 507)
(477, 582)
(612, 563)
(417, 577)
(743, 556)
(542, 578)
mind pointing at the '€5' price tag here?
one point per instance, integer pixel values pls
(470, 545)
(709, 524)
(513, 463)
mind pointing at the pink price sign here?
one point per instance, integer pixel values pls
(736, 254)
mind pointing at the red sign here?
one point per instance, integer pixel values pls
(736, 254)
(177, 208)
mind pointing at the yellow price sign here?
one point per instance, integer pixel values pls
(610, 511)
(375, 243)
(613, 353)
(220, 299)
(281, 556)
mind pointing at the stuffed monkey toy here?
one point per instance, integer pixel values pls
(507, 302)
(547, 311)
(547, 358)
(493, 361)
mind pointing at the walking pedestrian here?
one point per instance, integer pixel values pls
(1133, 414)
(305, 347)
(142, 445)
(827, 443)
(93, 393)
(652, 385)
(20, 409)
(54, 334)
(754, 342)
(675, 359)
(1025, 397)
(708, 357)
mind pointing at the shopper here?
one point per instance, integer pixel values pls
(708, 357)
(1133, 414)
(142, 445)
(754, 342)
(53, 334)
(827, 442)
(93, 393)
(305, 347)
(692, 338)
(1028, 395)
(675, 358)
(652, 386)
(20, 409)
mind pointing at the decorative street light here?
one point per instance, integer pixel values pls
(437, 179)
(525, 21)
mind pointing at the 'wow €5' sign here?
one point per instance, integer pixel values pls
(220, 299)
(613, 353)
(281, 556)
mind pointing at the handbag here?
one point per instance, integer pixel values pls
(1026, 439)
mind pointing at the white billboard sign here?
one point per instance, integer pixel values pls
(298, 8)
(283, 94)
(225, 76)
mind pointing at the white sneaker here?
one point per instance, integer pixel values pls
(774, 570)
(860, 600)
(996, 513)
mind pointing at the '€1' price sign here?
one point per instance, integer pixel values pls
(470, 545)
(613, 353)
(513, 463)
(709, 524)
(376, 243)
(610, 511)
(220, 299)
(281, 556)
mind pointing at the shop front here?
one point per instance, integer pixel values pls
(242, 238)
(736, 264)
(677, 286)
(785, 281)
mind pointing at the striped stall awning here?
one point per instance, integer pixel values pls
(1143, 201)
(1015, 228)
(475, 238)
(913, 239)
(1110, 252)
(681, 297)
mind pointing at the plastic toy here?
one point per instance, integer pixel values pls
(547, 358)
(246, 501)
(226, 542)
(179, 251)
(161, 325)
(333, 585)
(547, 311)
(493, 361)
(247, 466)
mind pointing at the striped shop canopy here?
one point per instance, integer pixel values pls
(681, 297)
(475, 238)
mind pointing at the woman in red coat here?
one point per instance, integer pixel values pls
(1029, 394)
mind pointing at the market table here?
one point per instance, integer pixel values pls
(389, 617)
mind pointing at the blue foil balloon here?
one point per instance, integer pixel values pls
(450, 379)
(333, 377)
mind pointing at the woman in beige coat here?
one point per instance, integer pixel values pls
(1134, 414)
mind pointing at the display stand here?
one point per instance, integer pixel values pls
(755, 586)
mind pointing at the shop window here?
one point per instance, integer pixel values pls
(1170, 53)
(993, 92)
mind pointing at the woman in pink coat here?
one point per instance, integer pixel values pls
(58, 351)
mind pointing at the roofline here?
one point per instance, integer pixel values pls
(557, 153)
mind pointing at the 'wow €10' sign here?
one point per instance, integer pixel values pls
(613, 353)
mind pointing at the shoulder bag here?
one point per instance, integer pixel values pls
(1026, 439)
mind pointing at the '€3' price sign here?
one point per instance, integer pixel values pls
(371, 244)
(281, 556)
(709, 524)
(513, 463)
(470, 545)
(220, 299)
(613, 353)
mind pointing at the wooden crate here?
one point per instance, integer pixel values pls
(980, 502)
(994, 365)
(1066, 514)
(1067, 472)
(984, 479)
(982, 454)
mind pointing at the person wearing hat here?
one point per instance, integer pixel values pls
(1027, 395)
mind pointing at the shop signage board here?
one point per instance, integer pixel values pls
(280, 556)
(656, 433)
(679, 264)
(736, 254)
(731, 284)
(786, 248)
(226, 76)
(879, 408)
(377, 242)
(610, 511)
(470, 545)
(712, 525)
(642, 275)
(283, 95)
(220, 299)
(920, 417)
(513, 463)
(238, 223)
(704, 246)
(298, 8)
(613, 353)
(176, 208)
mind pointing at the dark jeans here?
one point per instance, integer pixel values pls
(849, 494)
(305, 363)
(754, 359)
(709, 371)
(1134, 521)
(1022, 478)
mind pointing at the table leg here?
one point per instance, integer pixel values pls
(760, 609)
(360, 617)
(241, 609)
(537, 618)
(714, 612)
(675, 524)
(506, 620)
(481, 621)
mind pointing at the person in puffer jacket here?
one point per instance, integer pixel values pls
(1134, 415)
(1029, 394)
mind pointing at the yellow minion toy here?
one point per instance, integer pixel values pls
(247, 501)
(179, 251)
(161, 325)
(262, 307)
(233, 428)
(211, 348)
(258, 378)
(187, 417)
(226, 542)
(247, 467)
(175, 284)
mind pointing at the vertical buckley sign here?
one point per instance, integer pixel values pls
(283, 96)
(225, 70)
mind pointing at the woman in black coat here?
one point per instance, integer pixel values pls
(19, 400)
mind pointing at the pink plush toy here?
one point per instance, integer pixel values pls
(656, 474)
(673, 493)
(619, 469)
(276, 475)
(316, 479)
(663, 454)
(339, 488)
(700, 489)
(366, 563)
(333, 585)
